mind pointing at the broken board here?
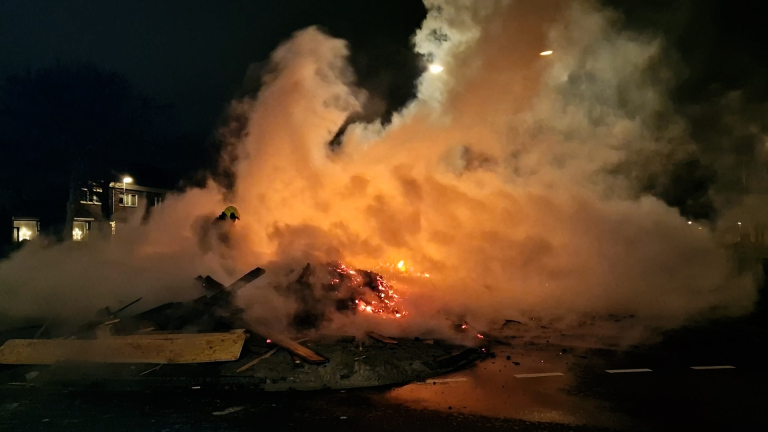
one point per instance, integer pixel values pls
(380, 338)
(144, 348)
(300, 350)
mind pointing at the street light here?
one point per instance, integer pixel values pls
(546, 53)
(126, 180)
(435, 68)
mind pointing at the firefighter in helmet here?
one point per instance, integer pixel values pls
(229, 213)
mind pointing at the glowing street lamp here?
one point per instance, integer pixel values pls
(435, 68)
(126, 180)
(546, 53)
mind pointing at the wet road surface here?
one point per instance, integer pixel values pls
(709, 378)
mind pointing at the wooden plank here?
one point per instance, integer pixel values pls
(250, 364)
(246, 279)
(300, 350)
(150, 348)
(380, 338)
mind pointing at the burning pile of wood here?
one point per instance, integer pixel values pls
(211, 330)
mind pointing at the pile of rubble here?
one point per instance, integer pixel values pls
(207, 343)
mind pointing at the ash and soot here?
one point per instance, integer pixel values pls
(510, 187)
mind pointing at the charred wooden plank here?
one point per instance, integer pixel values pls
(252, 363)
(147, 348)
(380, 338)
(294, 347)
(246, 279)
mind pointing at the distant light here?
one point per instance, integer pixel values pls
(546, 53)
(689, 222)
(738, 223)
(435, 68)
(127, 180)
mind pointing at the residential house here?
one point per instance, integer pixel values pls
(99, 208)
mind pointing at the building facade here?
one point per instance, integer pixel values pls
(99, 208)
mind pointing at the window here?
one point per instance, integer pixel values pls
(128, 200)
(25, 229)
(80, 229)
(88, 196)
(158, 201)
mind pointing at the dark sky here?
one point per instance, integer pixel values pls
(190, 58)
(194, 54)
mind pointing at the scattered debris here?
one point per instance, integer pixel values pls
(297, 349)
(380, 338)
(150, 370)
(42, 329)
(207, 341)
(511, 321)
(441, 381)
(228, 411)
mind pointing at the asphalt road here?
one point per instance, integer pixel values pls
(649, 388)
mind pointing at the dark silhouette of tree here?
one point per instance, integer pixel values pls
(67, 123)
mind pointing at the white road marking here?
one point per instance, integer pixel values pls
(536, 375)
(627, 370)
(712, 367)
(441, 380)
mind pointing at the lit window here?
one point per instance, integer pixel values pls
(80, 230)
(25, 229)
(128, 200)
(113, 224)
(158, 200)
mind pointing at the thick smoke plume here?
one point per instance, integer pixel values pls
(514, 180)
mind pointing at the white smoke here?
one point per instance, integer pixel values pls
(511, 179)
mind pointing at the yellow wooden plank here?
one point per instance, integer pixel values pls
(163, 349)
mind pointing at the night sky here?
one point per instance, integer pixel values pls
(181, 62)
(194, 54)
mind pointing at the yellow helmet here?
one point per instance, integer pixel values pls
(231, 213)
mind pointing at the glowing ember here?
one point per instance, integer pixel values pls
(401, 265)
(369, 291)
